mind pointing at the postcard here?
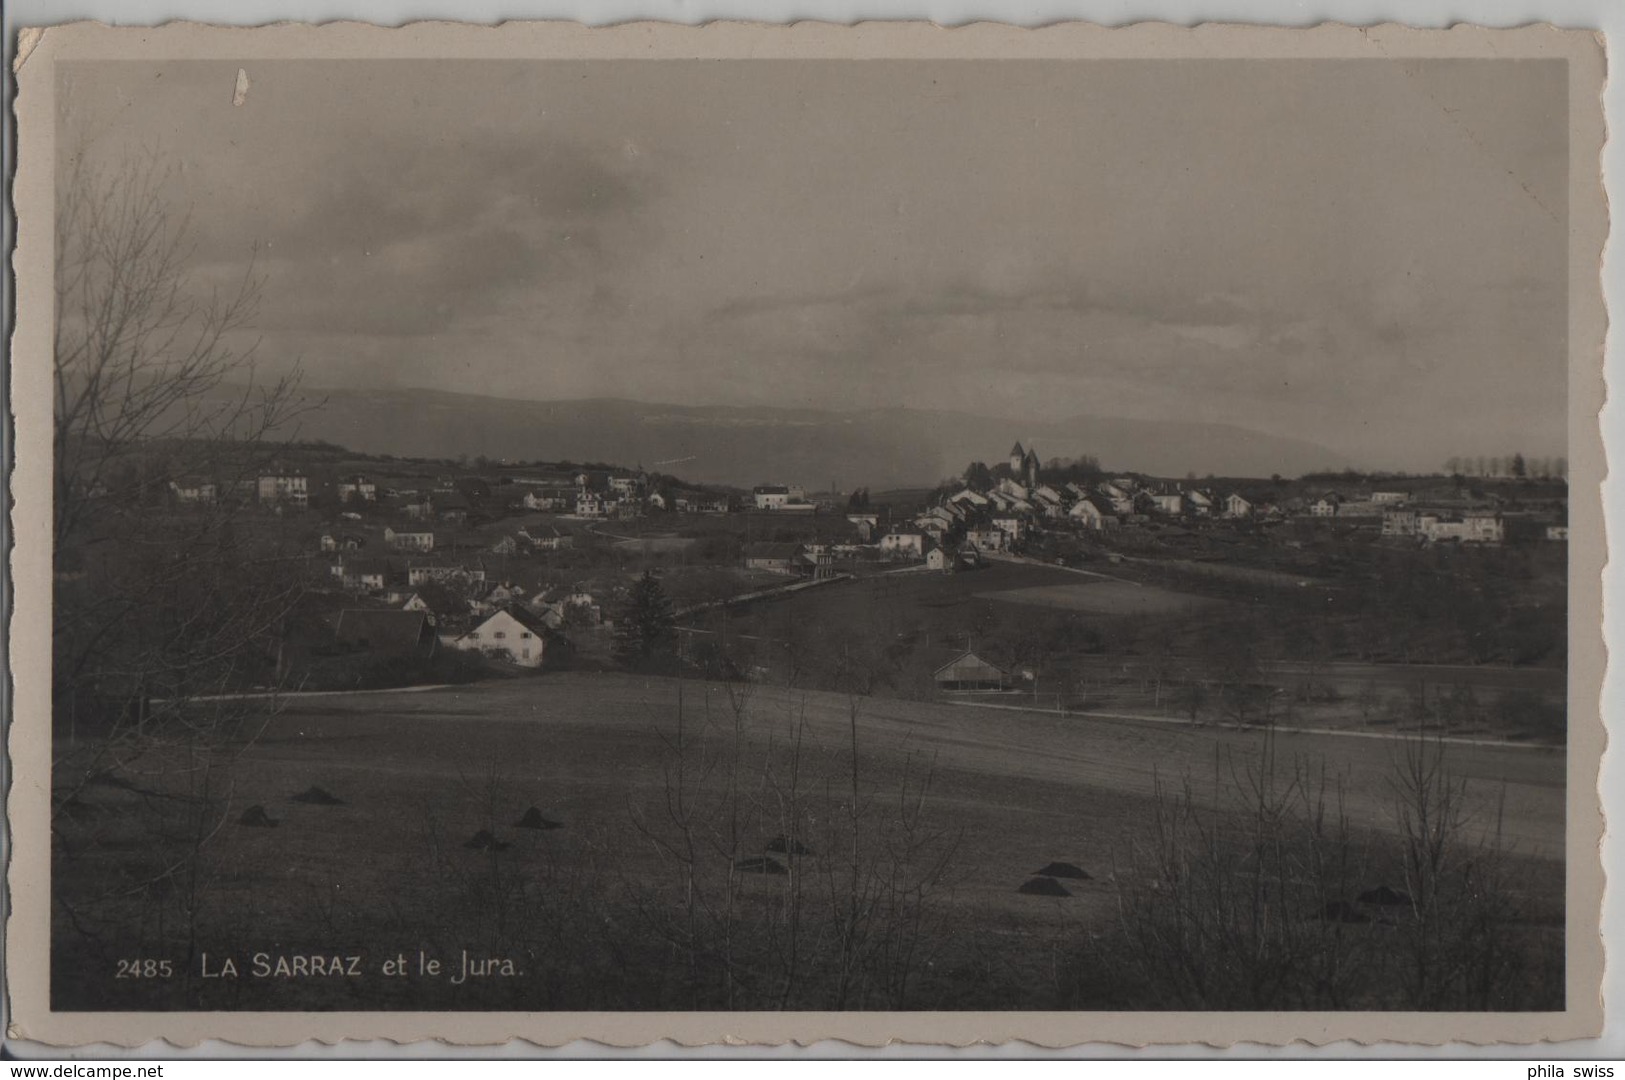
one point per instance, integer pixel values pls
(764, 533)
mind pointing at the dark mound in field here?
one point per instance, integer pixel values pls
(788, 846)
(533, 819)
(255, 817)
(1064, 870)
(760, 865)
(484, 841)
(1044, 886)
(318, 796)
(1343, 912)
(1385, 896)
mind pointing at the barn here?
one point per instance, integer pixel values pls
(387, 631)
(969, 672)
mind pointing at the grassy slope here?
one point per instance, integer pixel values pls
(1022, 790)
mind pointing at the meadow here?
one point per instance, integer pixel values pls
(648, 883)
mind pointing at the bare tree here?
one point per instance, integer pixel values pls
(166, 594)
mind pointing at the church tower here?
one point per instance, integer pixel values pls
(1030, 468)
(1018, 461)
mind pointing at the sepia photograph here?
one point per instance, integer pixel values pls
(684, 524)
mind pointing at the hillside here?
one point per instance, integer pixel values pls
(744, 446)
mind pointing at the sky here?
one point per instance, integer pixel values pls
(1366, 254)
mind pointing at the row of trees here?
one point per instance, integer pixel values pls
(1515, 466)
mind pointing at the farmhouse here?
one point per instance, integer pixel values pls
(515, 635)
(968, 672)
(1237, 507)
(384, 630)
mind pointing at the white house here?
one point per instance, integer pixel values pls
(359, 576)
(291, 488)
(545, 500)
(987, 539)
(700, 502)
(408, 541)
(1400, 523)
(1167, 502)
(425, 573)
(191, 489)
(1237, 507)
(357, 489)
(903, 544)
(512, 634)
(771, 496)
(1088, 514)
(1326, 506)
(418, 508)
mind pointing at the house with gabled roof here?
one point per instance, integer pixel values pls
(436, 601)
(514, 635)
(970, 673)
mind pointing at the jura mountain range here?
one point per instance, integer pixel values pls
(878, 448)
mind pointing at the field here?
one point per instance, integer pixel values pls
(1102, 598)
(389, 871)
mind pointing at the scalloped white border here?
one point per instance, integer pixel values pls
(25, 964)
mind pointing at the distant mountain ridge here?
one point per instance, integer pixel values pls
(879, 448)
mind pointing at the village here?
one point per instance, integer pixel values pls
(529, 567)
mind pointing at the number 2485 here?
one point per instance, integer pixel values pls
(145, 969)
